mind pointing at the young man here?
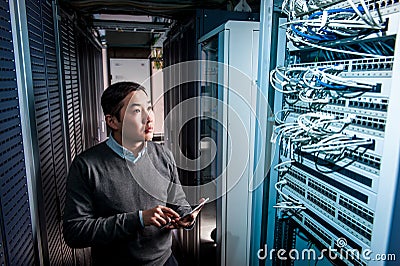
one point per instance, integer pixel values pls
(121, 192)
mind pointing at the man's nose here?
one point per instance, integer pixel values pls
(149, 116)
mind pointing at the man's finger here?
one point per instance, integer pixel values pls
(160, 219)
(170, 211)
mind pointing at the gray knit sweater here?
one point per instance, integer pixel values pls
(103, 200)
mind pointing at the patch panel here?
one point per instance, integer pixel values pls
(340, 102)
(355, 161)
(355, 65)
(299, 176)
(370, 122)
(306, 53)
(369, 160)
(335, 232)
(296, 187)
(325, 206)
(360, 116)
(361, 230)
(319, 230)
(364, 158)
(381, 64)
(373, 4)
(382, 79)
(346, 196)
(364, 233)
(369, 105)
(373, 103)
(363, 121)
(342, 185)
(373, 107)
(345, 204)
(324, 190)
(299, 9)
(385, 6)
(351, 177)
(299, 109)
(387, 37)
(356, 209)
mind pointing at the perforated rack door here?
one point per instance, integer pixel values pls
(16, 244)
(72, 98)
(50, 135)
(91, 85)
(71, 85)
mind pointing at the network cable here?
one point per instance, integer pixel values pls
(333, 24)
(293, 8)
(288, 202)
(315, 133)
(317, 85)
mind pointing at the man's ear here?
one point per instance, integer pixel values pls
(112, 121)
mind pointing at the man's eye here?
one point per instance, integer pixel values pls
(136, 111)
(150, 108)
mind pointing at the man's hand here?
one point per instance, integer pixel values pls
(187, 220)
(159, 216)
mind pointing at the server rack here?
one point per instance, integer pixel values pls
(17, 245)
(226, 107)
(41, 81)
(181, 46)
(327, 196)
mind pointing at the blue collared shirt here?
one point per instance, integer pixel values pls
(124, 153)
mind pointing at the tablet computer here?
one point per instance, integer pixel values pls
(198, 207)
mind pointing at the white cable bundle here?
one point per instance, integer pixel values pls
(287, 80)
(289, 202)
(317, 85)
(322, 74)
(315, 133)
(295, 7)
(330, 24)
(335, 144)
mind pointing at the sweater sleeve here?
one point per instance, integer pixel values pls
(81, 227)
(176, 195)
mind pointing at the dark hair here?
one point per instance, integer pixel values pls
(111, 100)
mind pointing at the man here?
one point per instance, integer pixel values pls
(122, 192)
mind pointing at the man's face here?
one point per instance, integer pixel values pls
(136, 118)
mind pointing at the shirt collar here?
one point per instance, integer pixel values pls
(123, 152)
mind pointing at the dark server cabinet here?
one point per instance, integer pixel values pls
(41, 126)
(16, 240)
(181, 46)
(49, 128)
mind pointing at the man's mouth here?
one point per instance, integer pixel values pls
(148, 130)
